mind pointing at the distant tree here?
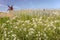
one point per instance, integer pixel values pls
(43, 9)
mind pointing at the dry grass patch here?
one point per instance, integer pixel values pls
(7, 15)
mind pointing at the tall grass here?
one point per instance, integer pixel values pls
(34, 25)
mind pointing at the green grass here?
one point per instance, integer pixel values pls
(30, 26)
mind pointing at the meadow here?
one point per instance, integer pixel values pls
(30, 25)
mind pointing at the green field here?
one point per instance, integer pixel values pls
(31, 25)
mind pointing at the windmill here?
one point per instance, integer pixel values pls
(10, 8)
(9, 4)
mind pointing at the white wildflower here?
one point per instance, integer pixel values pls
(24, 29)
(14, 17)
(16, 27)
(26, 35)
(45, 29)
(5, 33)
(37, 35)
(14, 38)
(39, 38)
(5, 28)
(38, 32)
(45, 35)
(8, 21)
(27, 21)
(3, 25)
(48, 25)
(20, 29)
(23, 24)
(31, 29)
(11, 31)
(35, 26)
(54, 27)
(14, 35)
(8, 32)
(31, 32)
(17, 23)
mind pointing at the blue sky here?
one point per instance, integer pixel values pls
(30, 4)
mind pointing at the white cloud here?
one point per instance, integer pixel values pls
(3, 5)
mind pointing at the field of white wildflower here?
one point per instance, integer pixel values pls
(31, 25)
